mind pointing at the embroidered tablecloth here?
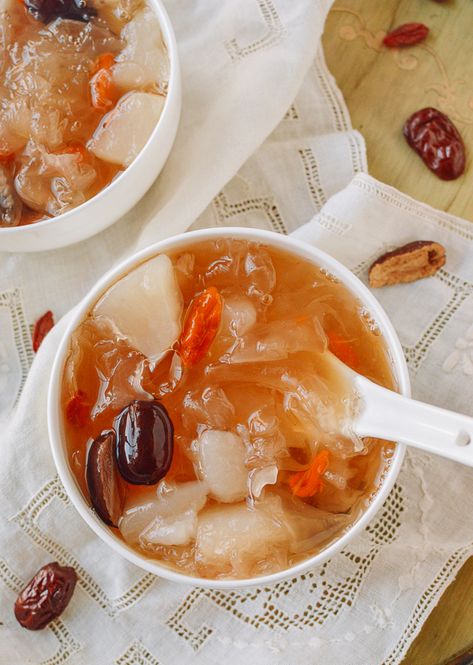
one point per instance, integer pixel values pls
(265, 140)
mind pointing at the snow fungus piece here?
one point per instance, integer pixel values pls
(221, 464)
(239, 315)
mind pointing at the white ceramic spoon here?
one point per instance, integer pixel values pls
(385, 414)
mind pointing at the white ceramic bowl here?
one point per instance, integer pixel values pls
(115, 200)
(179, 242)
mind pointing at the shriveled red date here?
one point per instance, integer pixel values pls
(407, 34)
(45, 596)
(437, 141)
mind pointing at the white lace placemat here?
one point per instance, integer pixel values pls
(367, 604)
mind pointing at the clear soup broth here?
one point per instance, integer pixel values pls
(201, 417)
(82, 86)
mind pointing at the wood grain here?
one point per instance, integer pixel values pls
(382, 88)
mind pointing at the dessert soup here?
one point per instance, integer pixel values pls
(203, 421)
(82, 86)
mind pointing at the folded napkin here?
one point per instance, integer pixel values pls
(365, 605)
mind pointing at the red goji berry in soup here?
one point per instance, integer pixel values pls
(309, 482)
(77, 409)
(200, 326)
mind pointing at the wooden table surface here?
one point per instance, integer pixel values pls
(382, 87)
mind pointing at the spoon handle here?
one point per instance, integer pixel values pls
(388, 415)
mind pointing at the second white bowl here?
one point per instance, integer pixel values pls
(116, 199)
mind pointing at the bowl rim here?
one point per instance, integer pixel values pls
(54, 418)
(172, 98)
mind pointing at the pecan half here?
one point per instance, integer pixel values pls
(416, 260)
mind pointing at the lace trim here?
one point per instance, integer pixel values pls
(67, 644)
(332, 94)
(428, 601)
(273, 36)
(26, 520)
(312, 176)
(357, 151)
(291, 113)
(330, 599)
(9, 578)
(424, 212)
(462, 290)
(226, 211)
(13, 301)
(332, 224)
(136, 654)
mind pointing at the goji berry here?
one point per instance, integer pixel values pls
(41, 328)
(77, 409)
(407, 34)
(102, 90)
(104, 61)
(200, 327)
(307, 483)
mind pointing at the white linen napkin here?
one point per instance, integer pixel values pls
(367, 604)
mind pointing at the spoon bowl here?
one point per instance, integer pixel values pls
(385, 414)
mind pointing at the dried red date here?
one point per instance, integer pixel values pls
(45, 596)
(103, 480)
(407, 34)
(416, 260)
(437, 141)
(41, 328)
(48, 10)
(145, 442)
